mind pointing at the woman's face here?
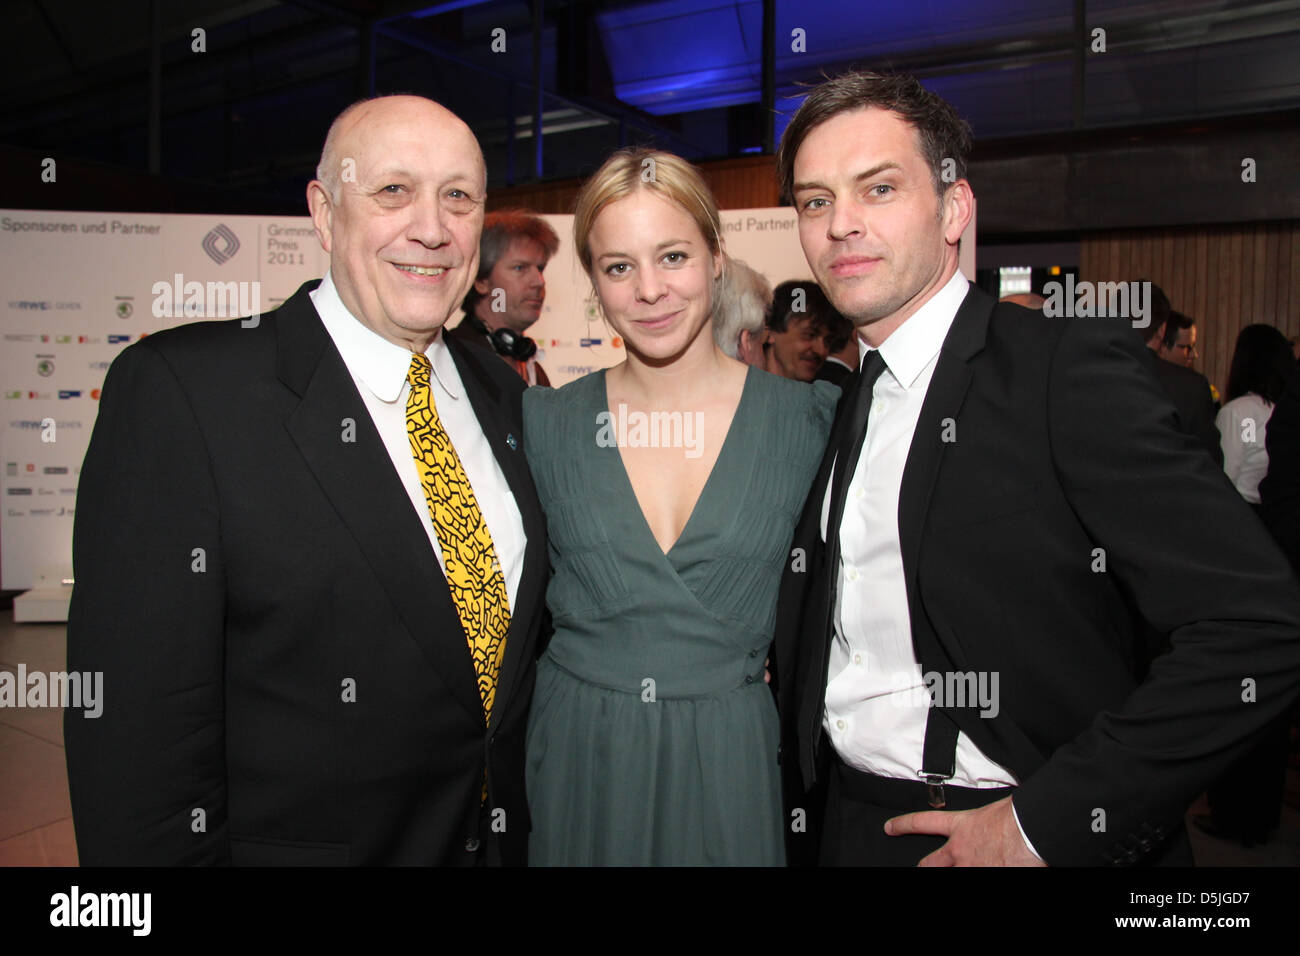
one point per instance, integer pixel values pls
(654, 275)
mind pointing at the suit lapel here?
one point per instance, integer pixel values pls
(943, 401)
(358, 478)
(507, 443)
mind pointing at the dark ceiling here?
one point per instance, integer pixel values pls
(249, 112)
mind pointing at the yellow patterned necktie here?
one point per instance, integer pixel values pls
(478, 587)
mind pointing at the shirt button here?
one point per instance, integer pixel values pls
(471, 845)
(857, 658)
(853, 574)
(753, 653)
(839, 724)
(859, 493)
(749, 679)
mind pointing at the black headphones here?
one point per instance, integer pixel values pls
(504, 341)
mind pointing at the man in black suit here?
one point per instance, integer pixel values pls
(955, 629)
(1188, 389)
(259, 551)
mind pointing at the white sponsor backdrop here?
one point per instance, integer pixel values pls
(76, 288)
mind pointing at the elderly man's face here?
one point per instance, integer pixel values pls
(403, 232)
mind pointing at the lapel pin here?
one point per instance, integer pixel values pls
(510, 440)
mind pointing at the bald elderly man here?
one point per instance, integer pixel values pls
(309, 556)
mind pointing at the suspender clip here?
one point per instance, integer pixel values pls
(934, 788)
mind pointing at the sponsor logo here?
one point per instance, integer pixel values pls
(11, 469)
(38, 394)
(17, 394)
(15, 512)
(44, 368)
(55, 469)
(88, 339)
(22, 337)
(20, 491)
(588, 343)
(98, 366)
(118, 339)
(124, 308)
(29, 305)
(221, 244)
(41, 512)
(69, 393)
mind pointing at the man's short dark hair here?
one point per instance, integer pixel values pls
(943, 134)
(804, 293)
(839, 330)
(1160, 312)
(501, 228)
(1177, 322)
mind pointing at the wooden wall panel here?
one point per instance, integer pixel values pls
(1226, 277)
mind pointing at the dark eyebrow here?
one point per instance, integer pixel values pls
(865, 174)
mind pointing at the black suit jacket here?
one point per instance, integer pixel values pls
(286, 679)
(833, 372)
(1193, 400)
(1064, 444)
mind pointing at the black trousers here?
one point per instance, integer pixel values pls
(858, 804)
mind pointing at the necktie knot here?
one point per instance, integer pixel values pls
(872, 367)
(418, 374)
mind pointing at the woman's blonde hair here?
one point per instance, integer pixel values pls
(628, 170)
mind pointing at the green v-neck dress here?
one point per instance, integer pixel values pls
(652, 738)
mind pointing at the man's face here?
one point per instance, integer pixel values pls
(518, 273)
(1184, 349)
(403, 234)
(800, 350)
(875, 234)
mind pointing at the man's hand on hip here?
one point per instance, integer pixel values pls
(987, 836)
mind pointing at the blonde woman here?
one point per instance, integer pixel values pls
(671, 485)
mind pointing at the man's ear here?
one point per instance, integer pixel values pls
(322, 213)
(958, 207)
(483, 286)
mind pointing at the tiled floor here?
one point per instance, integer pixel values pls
(36, 818)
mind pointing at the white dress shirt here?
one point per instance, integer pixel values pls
(379, 369)
(1242, 423)
(876, 700)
